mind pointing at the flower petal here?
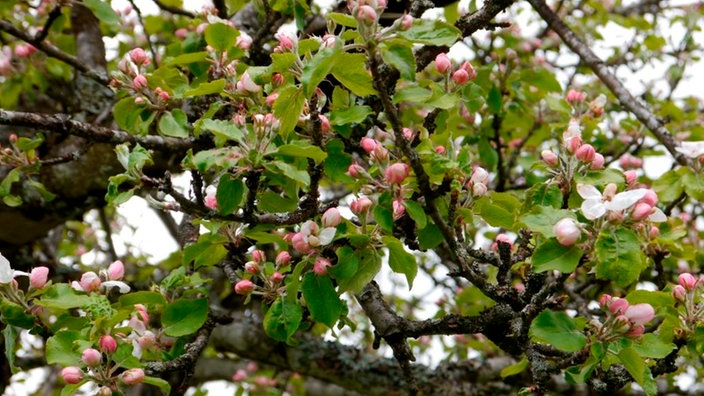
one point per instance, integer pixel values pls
(326, 235)
(588, 191)
(657, 216)
(124, 288)
(593, 208)
(691, 149)
(6, 274)
(625, 199)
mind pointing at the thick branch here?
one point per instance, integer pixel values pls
(577, 45)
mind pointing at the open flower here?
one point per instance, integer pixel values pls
(6, 272)
(596, 204)
(691, 149)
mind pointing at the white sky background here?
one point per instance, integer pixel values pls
(147, 233)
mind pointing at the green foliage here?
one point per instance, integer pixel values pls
(184, 316)
(559, 330)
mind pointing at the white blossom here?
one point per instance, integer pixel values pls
(595, 205)
(691, 149)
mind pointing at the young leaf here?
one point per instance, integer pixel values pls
(322, 300)
(174, 123)
(288, 107)
(350, 70)
(282, 319)
(229, 194)
(184, 316)
(619, 256)
(400, 260)
(221, 36)
(558, 330)
(551, 255)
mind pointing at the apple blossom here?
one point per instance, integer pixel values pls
(210, 201)
(107, 344)
(597, 162)
(567, 231)
(679, 293)
(277, 277)
(442, 63)
(692, 150)
(133, 376)
(396, 173)
(331, 218)
(688, 281)
(91, 357)
(38, 277)
(596, 204)
(361, 205)
(139, 56)
(368, 144)
(246, 85)
(283, 258)
(585, 153)
(320, 267)
(240, 375)
(479, 189)
(139, 82)
(355, 170)
(460, 76)
(259, 256)
(618, 306)
(549, 157)
(116, 270)
(574, 96)
(252, 267)
(72, 375)
(244, 286)
(640, 314)
(406, 22)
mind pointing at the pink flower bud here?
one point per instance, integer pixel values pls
(90, 282)
(252, 267)
(636, 331)
(641, 211)
(181, 33)
(479, 175)
(277, 277)
(278, 79)
(654, 232)
(300, 243)
(331, 218)
(575, 96)
(324, 124)
(320, 267)
(585, 153)
(567, 231)
(286, 42)
(139, 82)
(440, 150)
(361, 205)
(133, 376)
(142, 311)
(38, 277)
(366, 14)
(396, 173)
(139, 57)
(283, 259)
(407, 133)
(116, 270)
(244, 287)
(502, 238)
(90, 357)
(107, 344)
(640, 314)
(631, 177)
(650, 197)
(368, 144)
(398, 209)
(679, 293)
(406, 22)
(163, 95)
(605, 300)
(442, 63)
(72, 375)
(147, 340)
(380, 153)
(240, 375)
(618, 306)
(355, 171)
(688, 281)
(210, 201)
(466, 66)
(549, 157)
(460, 77)
(271, 99)
(259, 256)
(244, 41)
(479, 189)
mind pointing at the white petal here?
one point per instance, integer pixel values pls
(124, 288)
(625, 199)
(657, 216)
(76, 286)
(326, 235)
(691, 149)
(593, 209)
(6, 274)
(588, 191)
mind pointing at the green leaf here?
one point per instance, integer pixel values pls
(559, 330)
(269, 201)
(142, 297)
(10, 334)
(430, 237)
(350, 115)
(317, 68)
(184, 316)
(651, 346)
(542, 219)
(342, 19)
(399, 54)
(669, 185)
(14, 315)
(288, 107)
(633, 363)
(223, 129)
(544, 194)
(62, 296)
(60, 348)
(207, 252)
(13, 176)
(206, 88)
(580, 374)
(412, 94)
(400, 260)
(619, 256)
(303, 150)
(174, 123)
(551, 255)
(103, 11)
(221, 36)
(162, 384)
(416, 212)
(72, 389)
(658, 299)
(495, 100)
(350, 70)
(431, 32)
(282, 319)
(693, 184)
(472, 302)
(369, 266)
(290, 171)
(515, 368)
(347, 263)
(337, 162)
(229, 194)
(473, 96)
(499, 209)
(384, 217)
(321, 299)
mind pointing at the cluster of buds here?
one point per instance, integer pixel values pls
(464, 73)
(14, 157)
(367, 11)
(585, 153)
(686, 294)
(91, 282)
(311, 236)
(478, 182)
(287, 43)
(623, 319)
(257, 267)
(38, 277)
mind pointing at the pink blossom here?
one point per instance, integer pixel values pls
(567, 231)
(38, 277)
(442, 63)
(252, 267)
(585, 153)
(549, 157)
(654, 232)
(139, 82)
(331, 218)
(406, 22)
(142, 311)
(277, 277)
(597, 162)
(479, 175)
(91, 357)
(460, 76)
(278, 79)
(116, 270)
(286, 42)
(244, 286)
(244, 41)
(440, 150)
(398, 209)
(650, 197)
(631, 177)
(181, 33)
(163, 95)
(133, 376)
(90, 282)
(300, 243)
(368, 144)
(636, 331)
(320, 267)
(502, 238)
(396, 173)
(355, 170)
(366, 14)
(107, 344)
(324, 124)
(72, 375)
(466, 66)
(259, 256)
(380, 153)
(361, 205)
(245, 84)
(688, 281)
(240, 375)
(139, 57)
(24, 50)
(679, 293)
(573, 96)
(640, 314)
(605, 300)
(271, 99)
(479, 189)
(283, 258)
(618, 306)
(210, 201)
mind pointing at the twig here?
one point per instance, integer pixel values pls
(174, 10)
